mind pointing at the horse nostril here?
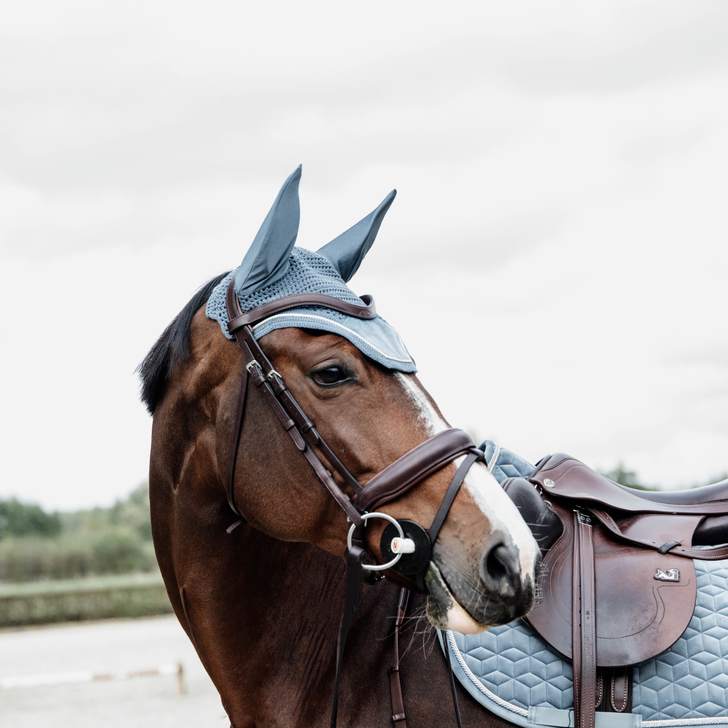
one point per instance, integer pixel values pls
(501, 569)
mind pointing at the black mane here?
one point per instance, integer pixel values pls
(172, 347)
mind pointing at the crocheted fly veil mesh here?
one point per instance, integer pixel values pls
(274, 268)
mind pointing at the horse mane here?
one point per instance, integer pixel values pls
(171, 348)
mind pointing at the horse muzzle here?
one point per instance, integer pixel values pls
(494, 591)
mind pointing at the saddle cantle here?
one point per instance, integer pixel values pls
(622, 563)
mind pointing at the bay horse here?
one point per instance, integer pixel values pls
(248, 539)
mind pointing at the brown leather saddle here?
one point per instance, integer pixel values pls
(619, 559)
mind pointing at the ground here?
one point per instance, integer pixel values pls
(104, 647)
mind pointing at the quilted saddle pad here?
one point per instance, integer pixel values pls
(515, 674)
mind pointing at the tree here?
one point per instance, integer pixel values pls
(27, 519)
(620, 474)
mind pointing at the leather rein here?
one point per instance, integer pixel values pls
(392, 482)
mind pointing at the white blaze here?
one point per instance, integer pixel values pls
(433, 422)
(482, 486)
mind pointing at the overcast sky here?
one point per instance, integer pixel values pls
(561, 170)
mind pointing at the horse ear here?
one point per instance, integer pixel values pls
(267, 259)
(347, 251)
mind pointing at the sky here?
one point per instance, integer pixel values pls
(555, 259)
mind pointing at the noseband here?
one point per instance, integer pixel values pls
(409, 544)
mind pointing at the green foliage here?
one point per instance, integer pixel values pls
(115, 540)
(624, 476)
(27, 519)
(620, 474)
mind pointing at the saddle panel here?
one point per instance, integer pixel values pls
(638, 615)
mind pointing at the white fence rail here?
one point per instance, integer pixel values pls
(80, 676)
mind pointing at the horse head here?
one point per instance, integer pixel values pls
(358, 409)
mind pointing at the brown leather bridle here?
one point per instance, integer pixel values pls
(392, 482)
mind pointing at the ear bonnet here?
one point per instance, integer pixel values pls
(273, 268)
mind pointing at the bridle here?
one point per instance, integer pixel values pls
(408, 542)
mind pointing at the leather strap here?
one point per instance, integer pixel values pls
(413, 467)
(619, 694)
(259, 370)
(583, 622)
(256, 315)
(452, 491)
(231, 301)
(395, 685)
(354, 559)
(451, 675)
(716, 553)
(295, 412)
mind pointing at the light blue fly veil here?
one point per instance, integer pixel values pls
(273, 268)
(515, 674)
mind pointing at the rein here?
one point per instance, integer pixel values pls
(411, 544)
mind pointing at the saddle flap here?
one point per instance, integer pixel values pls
(644, 599)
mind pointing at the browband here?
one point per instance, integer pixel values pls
(256, 315)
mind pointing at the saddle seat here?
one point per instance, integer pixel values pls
(618, 582)
(587, 485)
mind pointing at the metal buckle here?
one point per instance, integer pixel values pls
(583, 516)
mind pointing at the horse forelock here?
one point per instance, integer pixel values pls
(171, 348)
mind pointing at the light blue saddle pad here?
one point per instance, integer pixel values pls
(513, 673)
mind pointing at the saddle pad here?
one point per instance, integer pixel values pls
(512, 672)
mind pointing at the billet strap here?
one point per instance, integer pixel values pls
(395, 685)
(583, 622)
(619, 692)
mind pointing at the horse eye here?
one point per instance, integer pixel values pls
(330, 376)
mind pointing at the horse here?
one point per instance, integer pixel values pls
(249, 539)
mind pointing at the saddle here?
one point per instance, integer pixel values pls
(618, 583)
